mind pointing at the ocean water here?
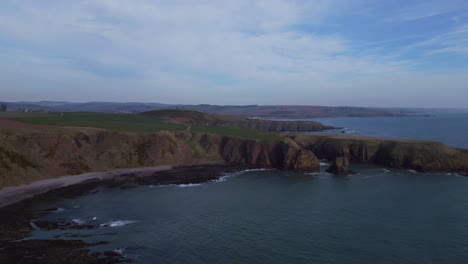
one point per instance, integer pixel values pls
(449, 128)
(381, 215)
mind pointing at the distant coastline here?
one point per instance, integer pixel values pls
(260, 111)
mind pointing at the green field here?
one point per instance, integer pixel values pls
(136, 123)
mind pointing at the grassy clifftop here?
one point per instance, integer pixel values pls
(199, 119)
(139, 123)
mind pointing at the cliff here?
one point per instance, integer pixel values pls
(30, 155)
(198, 118)
(26, 156)
(422, 156)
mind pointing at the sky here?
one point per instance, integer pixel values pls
(387, 53)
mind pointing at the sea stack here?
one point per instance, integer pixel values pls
(340, 167)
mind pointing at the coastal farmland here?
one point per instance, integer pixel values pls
(132, 123)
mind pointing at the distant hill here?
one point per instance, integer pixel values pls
(271, 111)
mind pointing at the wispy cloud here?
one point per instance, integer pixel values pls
(197, 51)
(419, 10)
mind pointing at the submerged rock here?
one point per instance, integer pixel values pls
(340, 167)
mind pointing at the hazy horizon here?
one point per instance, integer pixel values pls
(401, 54)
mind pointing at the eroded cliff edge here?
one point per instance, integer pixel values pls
(27, 156)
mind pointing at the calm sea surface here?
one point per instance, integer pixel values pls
(449, 128)
(379, 216)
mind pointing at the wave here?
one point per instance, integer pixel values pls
(189, 185)
(33, 225)
(232, 174)
(78, 221)
(118, 223)
(249, 170)
(220, 179)
(385, 170)
(412, 171)
(324, 163)
(120, 251)
(348, 131)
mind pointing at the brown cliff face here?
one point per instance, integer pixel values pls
(298, 159)
(32, 155)
(26, 156)
(423, 156)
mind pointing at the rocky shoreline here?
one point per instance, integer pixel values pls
(18, 220)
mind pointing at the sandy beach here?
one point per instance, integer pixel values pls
(11, 195)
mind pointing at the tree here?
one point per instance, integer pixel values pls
(3, 108)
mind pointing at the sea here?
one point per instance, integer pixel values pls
(380, 215)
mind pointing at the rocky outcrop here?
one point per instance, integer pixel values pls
(423, 156)
(340, 167)
(298, 159)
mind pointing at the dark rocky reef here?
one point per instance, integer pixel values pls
(340, 167)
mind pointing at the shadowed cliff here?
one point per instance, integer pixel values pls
(423, 156)
(30, 155)
(26, 156)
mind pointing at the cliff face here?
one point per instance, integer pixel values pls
(27, 156)
(30, 155)
(423, 156)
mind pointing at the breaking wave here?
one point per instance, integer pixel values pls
(118, 223)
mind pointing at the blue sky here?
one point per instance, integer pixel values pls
(317, 52)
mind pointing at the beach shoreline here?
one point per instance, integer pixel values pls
(12, 195)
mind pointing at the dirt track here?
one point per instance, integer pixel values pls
(6, 123)
(11, 124)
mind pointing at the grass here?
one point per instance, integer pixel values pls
(114, 122)
(235, 132)
(137, 123)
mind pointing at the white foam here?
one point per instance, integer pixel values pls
(78, 221)
(324, 164)
(412, 171)
(385, 170)
(94, 218)
(33, 225)
(120, 251)
(189, 185)
(118, 223)
(260, 169)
